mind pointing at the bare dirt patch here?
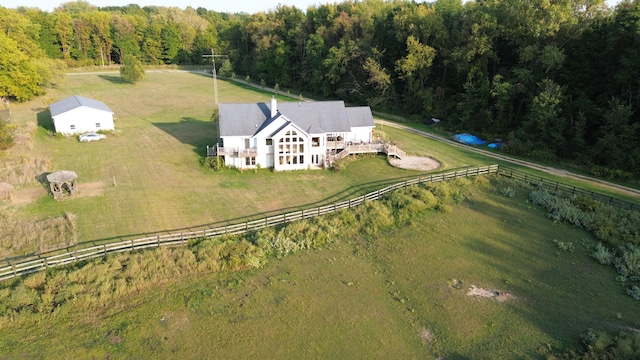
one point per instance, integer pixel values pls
(28, 195)
(499, 296)
(421, 163)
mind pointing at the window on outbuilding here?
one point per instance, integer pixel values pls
(72, 127)
(97, 125)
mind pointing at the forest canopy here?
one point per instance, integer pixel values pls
(556, 80)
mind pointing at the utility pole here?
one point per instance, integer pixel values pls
(215, 75)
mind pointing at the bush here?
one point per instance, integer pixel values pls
(214, 162)
(560, 209)
(131, 70)
(508, 191)
(564, 246)
(628, 261)
(603, 255)
(634, 292)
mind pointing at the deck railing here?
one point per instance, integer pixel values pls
(217, 150)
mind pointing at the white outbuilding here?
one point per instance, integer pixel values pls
(79, 114)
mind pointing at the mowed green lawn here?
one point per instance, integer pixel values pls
(148, 177)
(391, 296)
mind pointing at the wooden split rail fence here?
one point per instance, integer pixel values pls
(70, 255)
(565, 189)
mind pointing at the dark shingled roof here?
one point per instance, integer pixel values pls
(360, 116)
(74, 102)
(312, 117)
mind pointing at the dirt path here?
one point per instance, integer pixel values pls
(421, 163)
(550, 170)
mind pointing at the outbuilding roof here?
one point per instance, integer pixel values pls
(74, 102)
(61, 176)
(328, 116)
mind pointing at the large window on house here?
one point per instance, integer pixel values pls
(315, 141)
(269, 141)
(291, 145)
(250, 160)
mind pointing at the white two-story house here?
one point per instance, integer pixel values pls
(289, 135)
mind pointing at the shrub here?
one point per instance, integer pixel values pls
(564, 246)
(214, 162)
(508, 191)
(560, 209)
(603, 255)
(634, 292)
(372, 216)
(628, 261)
(442, 190)
(425, 196)
(403, 204)
(131, 70)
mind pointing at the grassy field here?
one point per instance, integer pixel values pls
(401, 294)
(148, 177)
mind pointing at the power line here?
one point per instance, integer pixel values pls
(213, 57)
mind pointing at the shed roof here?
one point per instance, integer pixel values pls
(74, 102)
(62, 176)
(329, 116)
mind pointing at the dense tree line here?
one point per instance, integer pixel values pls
(557, 79)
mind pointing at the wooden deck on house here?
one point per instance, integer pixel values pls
(368, 148)
(233, 151)
(382, 147)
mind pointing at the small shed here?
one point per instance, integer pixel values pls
(78, 114)
(62, 184)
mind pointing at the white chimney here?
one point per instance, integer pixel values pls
(274, 106)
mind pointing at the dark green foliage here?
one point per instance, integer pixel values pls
(561, 209)
(214, 162)
(131, 70)
(620, 229)
(603, 345)
(557, 83)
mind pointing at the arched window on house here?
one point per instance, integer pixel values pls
(291, 149)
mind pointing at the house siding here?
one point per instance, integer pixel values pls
(83, 120)
(240, 123)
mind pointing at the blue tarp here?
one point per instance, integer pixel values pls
(468, 139)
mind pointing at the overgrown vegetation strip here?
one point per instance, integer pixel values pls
(565, 189)
(39, 263)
